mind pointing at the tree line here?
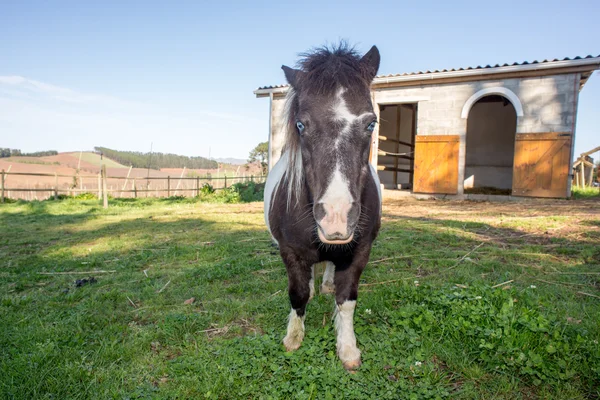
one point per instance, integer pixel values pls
(156, 160)
(6, 152)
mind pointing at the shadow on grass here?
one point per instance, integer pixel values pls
(132, 333)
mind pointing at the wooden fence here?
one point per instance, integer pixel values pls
(117, 186)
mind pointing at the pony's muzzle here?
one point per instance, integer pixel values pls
(337, 224)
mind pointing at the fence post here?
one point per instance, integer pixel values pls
(197, 186)
(104, 191)
(134, 189)
(99, 185)
(169, 186)
(55, 186)
(2, 186)
(251, 178)
(126, 179)
(225, 184)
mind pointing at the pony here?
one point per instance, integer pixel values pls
(323, 198)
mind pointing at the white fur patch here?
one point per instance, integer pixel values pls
(344, 325)
(328, 285)
(329, 274)
(338, 191)
(377, 183)
(295, 331)
(342, 113)
(337, 202)
(273, 180)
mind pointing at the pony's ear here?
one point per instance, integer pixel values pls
(291, 75)
(370, 62)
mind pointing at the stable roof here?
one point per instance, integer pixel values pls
(584, 65)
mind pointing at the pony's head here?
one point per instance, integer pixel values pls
(330, 120)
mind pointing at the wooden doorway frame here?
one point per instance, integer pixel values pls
(397, 154)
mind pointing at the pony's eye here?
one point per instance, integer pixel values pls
(371, 126)
(300, 126)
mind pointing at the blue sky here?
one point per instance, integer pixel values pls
(78, 74)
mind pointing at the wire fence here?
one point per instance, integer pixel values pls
(52, 185)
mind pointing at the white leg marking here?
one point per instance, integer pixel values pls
(328, 286)
(295, 331)
(346, 341)
(311, 283)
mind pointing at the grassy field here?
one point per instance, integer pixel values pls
(460, 301)
(94, 159)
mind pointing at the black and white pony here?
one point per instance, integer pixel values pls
(322, 198)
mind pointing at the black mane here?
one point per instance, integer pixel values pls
(327, 68)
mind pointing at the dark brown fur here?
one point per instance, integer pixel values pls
(323, 72)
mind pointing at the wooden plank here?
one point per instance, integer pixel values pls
(50, 189)
(387, 154)
(587, 153)
(104, 189)
(397, 148)
(413, 133)
(437, 138)
(436, 164)
(386, 138)
(543, 136)
(384, 168)
(43, 174)
(541, 164)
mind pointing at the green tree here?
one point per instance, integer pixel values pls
(261, 154)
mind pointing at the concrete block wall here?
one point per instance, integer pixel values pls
(549, 105)
(277, 134)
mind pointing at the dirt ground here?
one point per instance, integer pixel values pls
(475, 210)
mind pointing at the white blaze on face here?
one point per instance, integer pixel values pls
(341, 113)
(337, 202)
(346, 340)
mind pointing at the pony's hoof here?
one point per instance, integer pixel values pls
(352, 366)
(327, 288)
(350, 357)
(291, 343)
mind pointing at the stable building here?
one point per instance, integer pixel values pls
(502, 129)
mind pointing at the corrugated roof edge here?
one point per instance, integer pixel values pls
(467, 70)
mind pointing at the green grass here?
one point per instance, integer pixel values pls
(30, 161)
(94, 158)
(585, 193)
(480, 302)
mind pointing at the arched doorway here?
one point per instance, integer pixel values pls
(490, 144)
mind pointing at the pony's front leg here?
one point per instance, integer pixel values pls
(346, 287)
(299, 278)
(311, 283)
(328, 286)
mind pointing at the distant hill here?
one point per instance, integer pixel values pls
(156, 160)
(229, 160)
(94, 158)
